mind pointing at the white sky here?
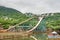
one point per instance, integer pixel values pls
(34, 6)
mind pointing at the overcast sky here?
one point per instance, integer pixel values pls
(34, 6)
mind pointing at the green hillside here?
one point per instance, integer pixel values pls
(9, 16)
(53, 21)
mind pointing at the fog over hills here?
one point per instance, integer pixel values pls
(34, 6)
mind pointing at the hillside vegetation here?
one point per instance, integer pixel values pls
(53, 21)
(9, 16)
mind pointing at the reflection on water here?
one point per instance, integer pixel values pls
(19, 38)
(41, 36)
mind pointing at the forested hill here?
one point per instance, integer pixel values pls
(4, 11)
(9, 16)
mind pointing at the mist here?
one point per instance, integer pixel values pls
(33, 6)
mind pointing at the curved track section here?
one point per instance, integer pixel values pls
(40, 19)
